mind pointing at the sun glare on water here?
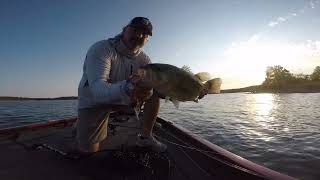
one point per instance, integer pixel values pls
(262, 107)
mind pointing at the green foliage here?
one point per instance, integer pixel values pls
(279, 77)
(315, 76)
(280, 80)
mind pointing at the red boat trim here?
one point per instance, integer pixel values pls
(264, 171)
(34, 126)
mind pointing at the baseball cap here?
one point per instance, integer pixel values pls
(142, 23)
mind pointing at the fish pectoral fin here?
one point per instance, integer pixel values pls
(175, 103)
(167, 99)
(196, 100)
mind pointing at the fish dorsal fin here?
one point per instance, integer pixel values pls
(203, 76)
(175, 103)
(187, 68)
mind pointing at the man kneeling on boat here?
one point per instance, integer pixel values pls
(107, 80)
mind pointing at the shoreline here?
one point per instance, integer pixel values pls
(271, 92)
(13, 98)
(226, 91)
(288, 88)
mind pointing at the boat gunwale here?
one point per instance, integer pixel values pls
(256, 168)
(37, 125)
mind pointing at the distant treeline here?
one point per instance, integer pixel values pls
(27, 98)
(279, 79)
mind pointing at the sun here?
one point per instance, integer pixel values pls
(250, 60)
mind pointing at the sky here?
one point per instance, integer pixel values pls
(43, 43)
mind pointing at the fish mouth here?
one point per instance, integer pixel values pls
(144, 79)
(142, 73)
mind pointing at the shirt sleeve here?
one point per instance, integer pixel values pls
(98, 66)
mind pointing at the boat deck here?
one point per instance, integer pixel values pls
(43, 154)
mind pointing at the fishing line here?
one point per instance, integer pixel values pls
(186, 147)
(196, 164)
(176, 144)
(205, 153)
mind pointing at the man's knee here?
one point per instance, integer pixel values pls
(91, 128)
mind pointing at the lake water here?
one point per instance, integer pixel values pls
(279, 131)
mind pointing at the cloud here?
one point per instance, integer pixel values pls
(273, 23)
(312, 48)
(259, 55)
(246, 61)
(258, 52)
(250, 47)
(310, 4)
(280, 19)
(313, 3)
(255, 37)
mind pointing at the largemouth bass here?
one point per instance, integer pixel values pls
(177, 84)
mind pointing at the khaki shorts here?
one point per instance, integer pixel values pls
(92, 126)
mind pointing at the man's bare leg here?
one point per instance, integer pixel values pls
(151, 110)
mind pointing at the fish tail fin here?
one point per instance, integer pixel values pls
(203, 76)
(213, 86)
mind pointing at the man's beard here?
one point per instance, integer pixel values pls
(136, 43)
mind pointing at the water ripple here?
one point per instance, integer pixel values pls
(280, 131)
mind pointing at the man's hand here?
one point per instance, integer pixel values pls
(138, 92)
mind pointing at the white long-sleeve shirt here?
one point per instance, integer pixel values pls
(107, 65)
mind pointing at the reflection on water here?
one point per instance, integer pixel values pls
(262, 107)
(266, 114)
(263, 104)
(280, 131)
